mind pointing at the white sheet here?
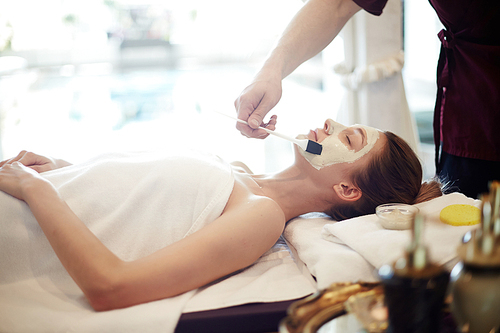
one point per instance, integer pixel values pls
(276, 276)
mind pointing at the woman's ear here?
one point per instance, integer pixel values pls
(347, 191)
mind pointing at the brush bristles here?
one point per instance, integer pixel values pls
(314, 147)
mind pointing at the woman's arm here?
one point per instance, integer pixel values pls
(37, 162)
(247, 228)
(91, 265)
(230, 243)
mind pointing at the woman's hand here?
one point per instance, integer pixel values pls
(36, 162)
(17, 180)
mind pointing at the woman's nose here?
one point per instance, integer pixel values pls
(326, 127)
(329, 126)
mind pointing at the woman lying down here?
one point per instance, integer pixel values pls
(209, 218)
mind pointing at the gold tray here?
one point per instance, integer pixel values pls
(309, 314)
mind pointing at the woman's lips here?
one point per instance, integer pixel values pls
(313, 135)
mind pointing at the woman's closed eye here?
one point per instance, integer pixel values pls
(355, 139)
(359, 140)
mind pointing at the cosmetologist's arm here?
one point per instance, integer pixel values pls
(310, 31)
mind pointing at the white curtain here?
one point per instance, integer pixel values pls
(371, 74)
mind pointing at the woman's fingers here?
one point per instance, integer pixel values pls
(34, 161)
(12, 176)
(13, 159)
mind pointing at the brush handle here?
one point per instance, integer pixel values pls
(283, 136)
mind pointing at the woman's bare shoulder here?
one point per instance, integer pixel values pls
(261, 212)
(241, 167)
(247, 200)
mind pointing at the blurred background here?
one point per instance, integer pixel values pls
(80, 78)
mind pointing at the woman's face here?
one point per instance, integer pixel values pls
(341, 144)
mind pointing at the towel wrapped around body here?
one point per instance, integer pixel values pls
(136, 204)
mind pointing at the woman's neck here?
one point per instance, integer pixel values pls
(294, 191)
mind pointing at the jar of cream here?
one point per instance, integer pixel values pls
(396, 215)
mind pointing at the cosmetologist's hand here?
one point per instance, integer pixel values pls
(36, 162)
(253, 104)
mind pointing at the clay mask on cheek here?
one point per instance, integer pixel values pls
(335, 151)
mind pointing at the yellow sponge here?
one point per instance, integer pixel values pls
(460, 215)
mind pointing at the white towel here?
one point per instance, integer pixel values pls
(381, 246)
(276, 276)
(328, 262)
(136, 204)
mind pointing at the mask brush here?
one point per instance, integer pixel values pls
(307, 145)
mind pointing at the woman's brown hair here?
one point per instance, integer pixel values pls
(393, 175)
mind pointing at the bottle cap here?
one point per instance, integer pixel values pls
(481, 247)
(416, 262)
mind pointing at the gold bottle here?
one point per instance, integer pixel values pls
(414, 288)
(475, 280)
